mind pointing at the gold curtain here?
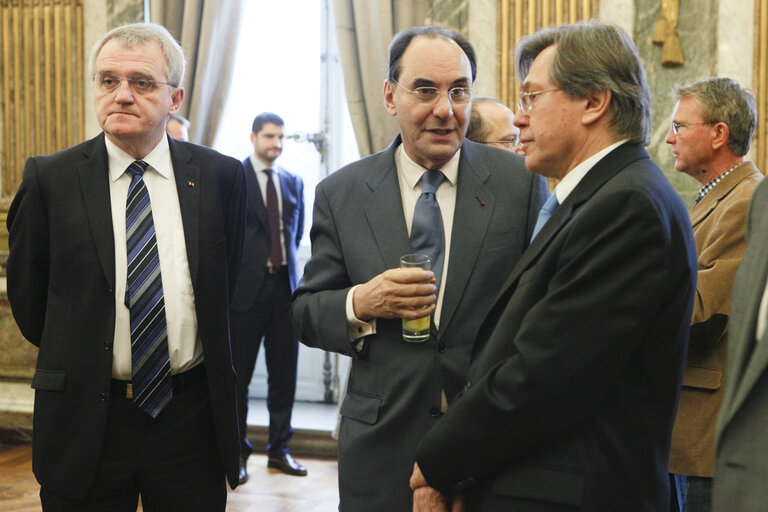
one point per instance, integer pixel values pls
(760, 85)
(522, 17)
(41, 81)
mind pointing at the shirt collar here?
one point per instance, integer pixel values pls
(159, 159)
(703, 191)
(572, 179)
(258, 165)
(412, 171)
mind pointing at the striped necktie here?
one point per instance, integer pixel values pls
(151, 374)
(427, 234)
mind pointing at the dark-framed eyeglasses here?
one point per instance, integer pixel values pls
(108, 82)
(526, 99)
(676, 125)
(428, 94)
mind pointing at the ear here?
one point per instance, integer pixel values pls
(253, 138)
(720, 135)
(598, 103)
(177, 96)
(389, 97)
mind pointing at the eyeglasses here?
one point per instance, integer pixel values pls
(456, 95)
(676, 126)
(511, 143)
(108, 82)
(526, 99)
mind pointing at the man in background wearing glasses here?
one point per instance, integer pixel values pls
(492, 122)
(353, 296)
(124, 252)
(712, 126)
(571, 395)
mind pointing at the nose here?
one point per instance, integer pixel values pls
(520, 119)
(671, 138)
(124, 93)
(443, 108)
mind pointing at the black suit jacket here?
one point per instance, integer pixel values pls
(61, 279)
(257, 244)
(394, 389)
(573, 384)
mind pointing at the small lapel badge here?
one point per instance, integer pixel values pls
(191, 184)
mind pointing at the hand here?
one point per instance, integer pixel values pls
(429, 499)
(396, 293)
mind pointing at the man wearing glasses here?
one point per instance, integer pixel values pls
(353, 296)
(491, 122)
(711, 131)
(570, 398)
(124, 251)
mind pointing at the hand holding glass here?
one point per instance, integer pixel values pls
(416, 330)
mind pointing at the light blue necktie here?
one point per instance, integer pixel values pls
(151, 373)
(427, 235)
(550, 205)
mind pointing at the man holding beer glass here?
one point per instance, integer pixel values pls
(469, 207)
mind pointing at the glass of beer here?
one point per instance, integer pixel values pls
(416, 330)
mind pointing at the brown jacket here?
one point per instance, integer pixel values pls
(718, 227)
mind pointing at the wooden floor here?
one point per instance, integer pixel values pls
(267, 490)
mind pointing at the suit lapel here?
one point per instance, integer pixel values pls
(749, 357)
(473, 212)
(190, 189)
(385, 207)
(94, 184)
(254, 195)
(707, 205)
(604, 170)
(289, 201)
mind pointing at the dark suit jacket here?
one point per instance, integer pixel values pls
(61, 279)
(741, 463)
(394, 389)
(256, 246)
(574, 379)
(719, 225)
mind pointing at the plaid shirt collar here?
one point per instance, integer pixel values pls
(709, 186)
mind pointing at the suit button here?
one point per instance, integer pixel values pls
(102, 397)
(441, 347)
(435, 412)
(107, 345)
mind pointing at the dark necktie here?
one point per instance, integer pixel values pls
(427, 235)
(151, 374)
(273, 215)
(550, 205)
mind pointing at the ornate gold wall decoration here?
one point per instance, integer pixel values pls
(665, 33)
(41, 83)
(522, 17)
(760, 85)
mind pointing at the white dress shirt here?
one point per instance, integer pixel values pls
(261, 176)
(185, 350)
(569, 182)
(409, 178)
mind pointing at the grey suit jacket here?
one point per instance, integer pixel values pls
(741, 461)
(394, 390)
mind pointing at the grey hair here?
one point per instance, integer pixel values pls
(477, 130)
(723, 100)
(136, 34)
(593, 57)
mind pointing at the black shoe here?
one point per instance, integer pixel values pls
(243, 475)
(287, 464)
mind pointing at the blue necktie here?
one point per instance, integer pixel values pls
(151, 373)
(427, 235)
(550, 205)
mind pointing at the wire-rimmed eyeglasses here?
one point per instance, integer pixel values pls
(676, 125)
(428, 94)
(526, 99)
(512, 143)
(108, 82)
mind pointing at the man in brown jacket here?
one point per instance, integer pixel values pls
(711, 131)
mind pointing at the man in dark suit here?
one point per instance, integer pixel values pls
(572, 389)
(711, 131)
(352, 298)
(741, 442)
(124, 251)
(262, 302)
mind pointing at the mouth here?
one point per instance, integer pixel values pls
(441, 132)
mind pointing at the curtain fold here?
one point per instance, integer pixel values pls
(364, 29)
(207, 31)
